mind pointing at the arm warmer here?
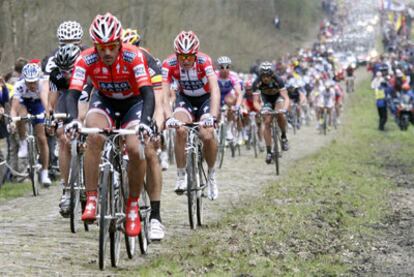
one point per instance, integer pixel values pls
(149, 104)
(72, 97)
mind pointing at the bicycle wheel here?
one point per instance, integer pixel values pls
(33, 173)
(74, 189)
(201, 184)
(117, 206)
(276, 150)
(294, 120)
(130, 242)
(254, 140)
(144, 213)
(325, 122)
(170, 145)
(221, 146)
(103, 212)
(191, 189)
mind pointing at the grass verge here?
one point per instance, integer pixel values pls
(13, 190)
(315, 222)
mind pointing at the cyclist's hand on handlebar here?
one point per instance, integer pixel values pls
(172, 123)
(208, 121)
(72, 128)
(11, 127)
(144, 130)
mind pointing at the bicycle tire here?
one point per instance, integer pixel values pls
(74, 190)
(117, 206)
(254, 141)
(144, 213)
(294, 120)
(222, 146)
(33, 174)
(130, 242)
(201, 183)
(325, 122)
(103, 208)
(191, 190)
(171, 154)
(275, 146)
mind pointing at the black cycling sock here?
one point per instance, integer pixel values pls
(283, 135)
(269, 149)
(155, 210)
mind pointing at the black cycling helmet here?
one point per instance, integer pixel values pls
(66, 56)
(266, 68)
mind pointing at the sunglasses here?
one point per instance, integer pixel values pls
(188, 57)
(110, 46)
(225, 67)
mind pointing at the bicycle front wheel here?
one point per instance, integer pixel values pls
(103, 213)
(144, 213)
(117, 205)
(191, 189)
(276, 151)
(74, 178)
(221, 146)
(33, 173)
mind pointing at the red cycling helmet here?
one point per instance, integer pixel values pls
(186, 43)
(105, 28)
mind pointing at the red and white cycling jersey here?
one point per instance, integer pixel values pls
(122, 80)
(193, 82)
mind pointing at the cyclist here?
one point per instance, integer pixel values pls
(154, 176)
(274, 97)
(230, 89)
(30, 96)
(251, 103)
(198, 99)
(119, 73)
(59, 84)
(325, 99)
(297, 95)
(68, 32)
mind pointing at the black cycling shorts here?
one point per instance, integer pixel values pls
(269, 101)
(119, 112)
(195, 107)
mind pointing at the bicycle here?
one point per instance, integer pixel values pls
(76, 179)
(33, 166)
(294, 118)
(196, 175)
(276, 136)
(253, 138)
(113, 196)
(221, 136)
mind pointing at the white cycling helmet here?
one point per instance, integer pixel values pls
(224, 60)
(69, 30)
(31, 72)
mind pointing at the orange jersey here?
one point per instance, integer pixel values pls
(121, 80)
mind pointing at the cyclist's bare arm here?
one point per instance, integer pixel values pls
(159, 107)
(44, 93)
(166, 99)
(256, 101)
(52, 100)
(237, 88)
(14, 107)
(215, 95)
(286, 103)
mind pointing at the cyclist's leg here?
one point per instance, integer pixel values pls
(210, 147)
(182, 112)
(96, 117)
(281, 119)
